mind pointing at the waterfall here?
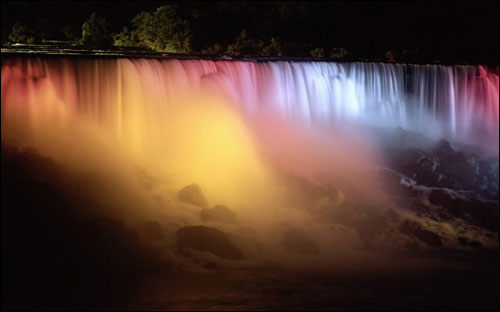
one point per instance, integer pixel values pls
(460, 103)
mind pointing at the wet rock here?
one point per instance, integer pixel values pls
(218, 214)
(411, 246)
(297, 242)
(443, 149)
(457, 207)
(457, 166)
(418, 165)
(192, 194)
(211, 266)
(484, 214)
(208, 239)
(152, 230)
(475, 245)
(466, 242)
(414, 229)
(478, 212)
(441, 198)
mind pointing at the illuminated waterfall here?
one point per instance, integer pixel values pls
(456, 102)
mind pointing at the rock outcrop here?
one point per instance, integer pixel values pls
(218, 214)
(208, 239)
(298, 242)
(192, 194)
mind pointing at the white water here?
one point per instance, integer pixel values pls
(459, 103)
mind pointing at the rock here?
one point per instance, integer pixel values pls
(152, 230)
(485, 214)
(478, 212)
(441, 198)
(418, 165)
(210, 266)
(463, 241)
(457, 166)
(192, 194)
(443, 149)
(475, 245)
(411, 246)
(370, 225)
(466, 242)
(414, 229)
(208, 239)
(297, 242)
(455, 206)
(219, 214)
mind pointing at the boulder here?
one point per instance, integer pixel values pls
(211, 266)
(218, 214)
(152, 230)
(474, 211)
(466, 242)
(208, 239)
(414, 229)
(192, 194)
(297, 242)
(463, 241)
(440, 198)
(457, 207)
(485, 214)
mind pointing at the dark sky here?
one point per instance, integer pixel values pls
(462, 26)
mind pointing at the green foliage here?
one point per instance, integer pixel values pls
(216, 49)
(318, 52)
(391, 55)
(244, 45)
(339, 53)
(275, 48)
(95, 32)
(127, 38)
(412, 55)
(23, 34)
(162, 30)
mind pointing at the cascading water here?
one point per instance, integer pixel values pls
(281, 152)
(459, 103)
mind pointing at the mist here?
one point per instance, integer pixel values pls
(303, 184)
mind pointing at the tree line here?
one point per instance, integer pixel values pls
(275, 29)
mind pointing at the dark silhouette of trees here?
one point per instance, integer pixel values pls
(72, 32)
(244, 45)
(162, 30)
(24, 34)
(96, 32)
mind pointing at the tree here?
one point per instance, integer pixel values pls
(95, 32)
(244, 45)
(275, 48)
(23, 33)
(391, 55)
(215, 49)
(126, 38)
(339, 53)
(162, 30)
(71, 32)
(318, 52)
